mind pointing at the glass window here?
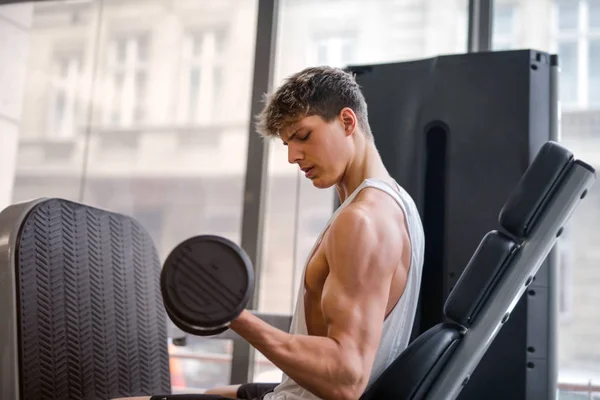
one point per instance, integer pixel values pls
(568, 60)
(335, 50)
(594, 72)
(503, 26)
(54, 108)
(340, 33)
(594, 14)
(568, 14)
(154, 147)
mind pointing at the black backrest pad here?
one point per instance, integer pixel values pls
(519, 214)
(490, 261)
(92, 324)
(411, 375)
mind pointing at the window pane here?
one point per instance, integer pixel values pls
(55, 89)
(503, 26)
(568, 60)
(503, 19)
(568, 14)
(339, 33)
(594, 71)
(594, 14)
(141, 158)
(180, 179)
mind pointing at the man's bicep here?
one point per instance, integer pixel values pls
(356, 291)
(354, 313)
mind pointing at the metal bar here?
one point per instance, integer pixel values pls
(242, 368)
(553, 258)
(480, 25)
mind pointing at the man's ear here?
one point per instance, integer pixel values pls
(349, 120)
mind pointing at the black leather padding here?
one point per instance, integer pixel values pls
(411, 375)
(527, 200)
(487, 265)
(91, 320)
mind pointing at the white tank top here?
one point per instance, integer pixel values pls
(398, 325)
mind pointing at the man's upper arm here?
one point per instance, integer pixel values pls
(361, 265)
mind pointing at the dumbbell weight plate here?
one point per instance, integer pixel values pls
(206, 282)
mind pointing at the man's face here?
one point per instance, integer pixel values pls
(321, 149)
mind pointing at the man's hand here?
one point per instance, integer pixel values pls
(363, 252)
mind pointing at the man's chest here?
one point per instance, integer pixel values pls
(317, 271)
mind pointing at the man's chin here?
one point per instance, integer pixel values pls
(321, 183)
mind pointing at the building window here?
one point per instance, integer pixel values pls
(568, 59)
(594, 71)
(336, 50)
(503, 35)
(577, 40)
(127, 75)
(64, 84)
(202, 78)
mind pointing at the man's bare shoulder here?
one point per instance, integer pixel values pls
(375, 208)
(372, 224)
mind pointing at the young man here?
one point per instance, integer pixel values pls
(355, 310)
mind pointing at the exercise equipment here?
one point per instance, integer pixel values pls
(206, 282)
(439, 363)
(82, 315)
(458, 132)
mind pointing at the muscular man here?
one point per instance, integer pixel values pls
(355, 310)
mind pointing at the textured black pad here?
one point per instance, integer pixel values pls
(528, 199)
(490, 261)
(92, 324)
(206, 282)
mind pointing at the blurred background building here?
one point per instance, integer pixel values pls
(143, 107)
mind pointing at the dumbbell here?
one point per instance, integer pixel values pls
(206, 282)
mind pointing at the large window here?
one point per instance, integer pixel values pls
(147, 140)
(571, 29)
(576, 33)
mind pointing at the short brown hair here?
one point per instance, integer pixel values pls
(322, 91)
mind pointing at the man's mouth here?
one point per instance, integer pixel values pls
(307, 171)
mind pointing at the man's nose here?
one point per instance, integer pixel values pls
(294, 154)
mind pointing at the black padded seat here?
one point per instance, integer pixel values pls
(411, 374)
(528, 199)
(488, 264)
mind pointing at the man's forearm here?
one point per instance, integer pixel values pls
(316, 363)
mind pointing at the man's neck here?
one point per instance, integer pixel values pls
(367, 164)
